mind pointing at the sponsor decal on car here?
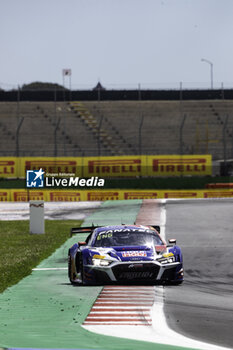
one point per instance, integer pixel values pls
(134, 254)
(97, 256)
(119, 230)
(168, 255)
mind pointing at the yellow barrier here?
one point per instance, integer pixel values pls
(61, 165)
(175, 165)
(18, 195)
(9, 167)
(5, 195)
(23, 195)
(218, 194)
(101, 195)
(139, 194)
(115, 166)
(65, 196)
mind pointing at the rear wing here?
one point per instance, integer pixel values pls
(90, 229)
(77, 230)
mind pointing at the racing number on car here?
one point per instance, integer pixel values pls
(108, 235)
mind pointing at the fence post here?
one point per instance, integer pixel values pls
(55, 105)
(225, 145)
(55, 136)
(99, 130)
(139, 92)
(16, 136)
(20, 122)
(222, 92)
(181, 134)
(232, 143)
(64, 122)
(181, 92)
(140, 135)
(18, 105)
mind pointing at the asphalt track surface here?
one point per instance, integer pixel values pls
(202, 308)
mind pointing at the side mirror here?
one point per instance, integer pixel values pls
(172, 241)
(82, 243)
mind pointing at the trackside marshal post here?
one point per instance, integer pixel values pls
(37, 217)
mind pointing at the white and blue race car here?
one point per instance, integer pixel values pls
(124, 254)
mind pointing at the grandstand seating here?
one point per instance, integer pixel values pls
(117, 128)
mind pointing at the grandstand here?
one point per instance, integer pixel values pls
(92, 128)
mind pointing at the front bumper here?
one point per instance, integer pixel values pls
(132, 272)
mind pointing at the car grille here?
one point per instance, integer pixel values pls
(135, 271)
(169, 274)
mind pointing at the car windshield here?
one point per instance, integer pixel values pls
(118, 238)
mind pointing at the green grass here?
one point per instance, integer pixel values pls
(21, 251)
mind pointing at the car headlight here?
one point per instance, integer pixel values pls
(167, 258)
(100, 260)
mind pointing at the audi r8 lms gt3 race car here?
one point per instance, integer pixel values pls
(124, 254)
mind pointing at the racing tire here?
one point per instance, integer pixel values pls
(177, 283)
(69, 268)
(74, 283)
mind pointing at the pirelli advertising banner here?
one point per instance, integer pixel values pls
(21, 195)
(54, 166)
(18, 195)
(9, 167)
(163, 165)
(121, 166)
(106, 167)
(175, 165)
(5, 195)
(117, 166)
